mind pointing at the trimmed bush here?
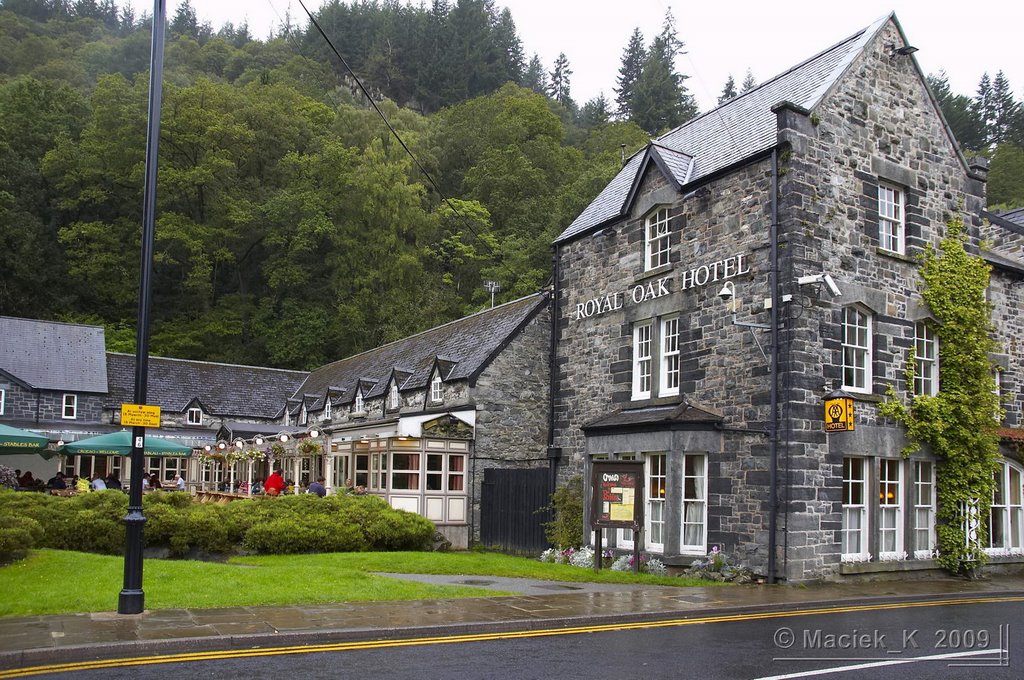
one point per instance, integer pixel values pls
(317, 533)
(18, 534)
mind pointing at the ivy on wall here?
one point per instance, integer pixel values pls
(959, 423)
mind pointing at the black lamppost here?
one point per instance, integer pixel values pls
(132, 600)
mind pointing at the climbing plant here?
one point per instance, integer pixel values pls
(959, 423)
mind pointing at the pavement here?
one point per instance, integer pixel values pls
(40, 640)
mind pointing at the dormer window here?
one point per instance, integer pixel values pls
(327, 408)
(287, 417)
(657, 241)
(393, 399)
(436, 390)
(303, 416)
(358, 408)
(194, 416)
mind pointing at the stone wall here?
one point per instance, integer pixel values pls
(46, 406)
(513, 409)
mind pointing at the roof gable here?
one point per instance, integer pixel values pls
(742, 128)
(48, 355)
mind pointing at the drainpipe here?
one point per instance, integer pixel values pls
(773, 422)
(554, 454)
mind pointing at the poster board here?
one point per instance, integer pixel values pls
(617, 494)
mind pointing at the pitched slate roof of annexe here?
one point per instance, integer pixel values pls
(471, 342)
(739, 129)
(222, 389)
(48, 355)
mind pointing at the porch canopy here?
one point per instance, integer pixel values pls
(120, 444)
(14, 441)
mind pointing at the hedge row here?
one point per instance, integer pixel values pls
(290, 524)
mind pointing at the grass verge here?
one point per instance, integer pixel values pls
(64, 582)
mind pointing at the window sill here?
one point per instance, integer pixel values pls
(865, 396)
(653, 401)
(651, 273)
(909, 259)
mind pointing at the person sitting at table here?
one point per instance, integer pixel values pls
(179, 483)
(274, 484)
(27, 481)
(318, 487)
(98, 484)
(82, 484)
(57, 482)
(113, 482)
(154, 482)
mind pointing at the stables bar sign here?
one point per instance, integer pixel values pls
(720, 270)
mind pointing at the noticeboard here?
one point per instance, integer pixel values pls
(617, 499)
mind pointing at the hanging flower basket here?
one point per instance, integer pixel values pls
(309, 447)
(277, 450)
(253, 454)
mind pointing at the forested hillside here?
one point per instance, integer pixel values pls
(292, 227)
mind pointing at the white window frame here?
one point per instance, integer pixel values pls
(668, 378)
(194, 416)
(393, 396)
(997, 379)
(643, 349)
(436, 390)
(657, 239)
(1006, 515)
(69, 407)
(924, 509)
(694, 492)
(892, 228)
(656, 483)
(926, 360)
(3, 400)
(327, 408)
(890, 509)
(857, 349)
(359, 406)
(851, 508)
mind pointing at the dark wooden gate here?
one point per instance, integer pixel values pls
(513, 509)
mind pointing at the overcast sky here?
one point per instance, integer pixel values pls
(722, 38)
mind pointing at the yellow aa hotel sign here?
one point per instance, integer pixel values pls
(839, 412)
(140, 415)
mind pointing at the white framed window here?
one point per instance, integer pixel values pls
(1006, 516)
(3, 400)
(997, 381)
(926, 359)
(855, 521)
(694, 535)
(436, 390)
(891, 224)
(393, 398)
(655, 470)
(194, 416)
(327, 408)
(287, 416)
(303, 416)
(642, 346)
(359, 406)
(856, 349)
(890, 509)
(70, 407)
(668, 384)
(657, 240)
(924, 509)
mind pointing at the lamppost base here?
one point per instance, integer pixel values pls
(131, 602)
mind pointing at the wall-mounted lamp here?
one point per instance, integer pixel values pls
(222, 445)
(906, 50)
(728, 295)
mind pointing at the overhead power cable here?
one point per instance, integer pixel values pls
(398, 137)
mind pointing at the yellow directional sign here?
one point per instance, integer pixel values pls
(140, 415)
(838, 412)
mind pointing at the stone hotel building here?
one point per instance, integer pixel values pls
(677, 347)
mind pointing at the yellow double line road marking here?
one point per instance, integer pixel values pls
(479, 637)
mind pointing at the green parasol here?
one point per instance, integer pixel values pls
(13, 441)
(120, 444)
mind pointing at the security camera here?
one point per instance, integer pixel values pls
(832, 287)
(728, 291)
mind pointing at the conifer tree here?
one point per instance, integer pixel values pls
(536, 77)
(558, 87)
(633, 58)
(660, 101)
(728, 91)
(749, 83)
(1005, 110)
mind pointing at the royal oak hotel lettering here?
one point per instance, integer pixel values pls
(642, 292)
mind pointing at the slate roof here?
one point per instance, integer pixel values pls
(1016, 216)
(682, 414)
(48, 355)
(739, 129)
(1003, 262)
(221, 389)
(468, 343)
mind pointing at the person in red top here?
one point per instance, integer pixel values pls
(274, 484)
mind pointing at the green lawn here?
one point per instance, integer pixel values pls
(58, 581)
